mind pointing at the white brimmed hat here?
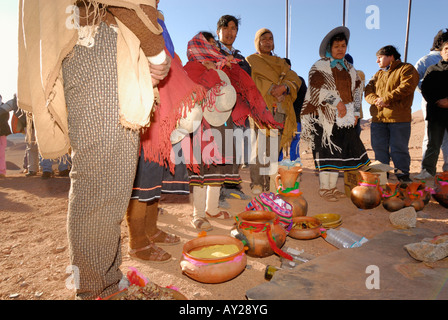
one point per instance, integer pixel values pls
(218, 114)
(331, 34)
(187, 125)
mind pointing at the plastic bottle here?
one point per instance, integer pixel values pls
(360, 240)
(344, 238)
(298, 258)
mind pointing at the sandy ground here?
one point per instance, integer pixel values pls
(34, 249)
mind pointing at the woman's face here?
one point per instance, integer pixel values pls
(338, 49)
(266, 43)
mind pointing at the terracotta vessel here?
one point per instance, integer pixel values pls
(305, 232)
(288, 177)
(296, 200)
(213, 270)
(392, 200)
(441, 189)
(367, 194)
(263, 232)
(414, 197)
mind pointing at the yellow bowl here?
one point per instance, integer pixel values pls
(328, 218)
(332, 225)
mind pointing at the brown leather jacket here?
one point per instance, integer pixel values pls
(396, 86)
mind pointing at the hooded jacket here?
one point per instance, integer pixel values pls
(396, 86)
(435, 88)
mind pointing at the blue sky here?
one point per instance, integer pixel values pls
(310, 21)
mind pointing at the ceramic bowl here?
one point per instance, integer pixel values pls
(213, 270)
(305, 228)
(329, 220)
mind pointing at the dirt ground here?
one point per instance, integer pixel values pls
(33, 243)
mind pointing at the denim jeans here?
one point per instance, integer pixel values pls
(294, 151)
(47, 165)
(391, 141)
(436, 137)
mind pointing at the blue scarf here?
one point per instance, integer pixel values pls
(166, 36)
(334, 61)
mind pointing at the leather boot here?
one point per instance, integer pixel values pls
(140, 247)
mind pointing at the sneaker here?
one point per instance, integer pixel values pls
(233, 193)
(47, 175)
(223, 204)
(31, 174)
(404, 178)
(238, 194)
(423, 175)
(64, 173)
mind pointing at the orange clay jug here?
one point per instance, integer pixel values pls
(367, 194)
(392, 200)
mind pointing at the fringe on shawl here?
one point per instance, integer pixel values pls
(203, 138)
(251, 102)
(317, 107)
(94, 12)
(160, 151)
(315, 111)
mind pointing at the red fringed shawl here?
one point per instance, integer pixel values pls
(178, 94)
(249, 100)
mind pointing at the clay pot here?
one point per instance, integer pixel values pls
(263, 232)
(392, 200)
(288, 177)
(305, 232)
(213, 270)
(367, 194)
(414, 197)
(296, 200)
(441, 189)
(426, 193)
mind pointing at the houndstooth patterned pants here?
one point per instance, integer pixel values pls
(104, 160)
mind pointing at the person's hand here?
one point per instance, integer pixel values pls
(380, 103)
(278, 90)
(442, 103)
(160, 71)
(342, 109)
(209, 64)
(281, 98)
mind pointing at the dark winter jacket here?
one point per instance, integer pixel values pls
(434, 88)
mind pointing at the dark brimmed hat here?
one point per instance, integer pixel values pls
(331, 34)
